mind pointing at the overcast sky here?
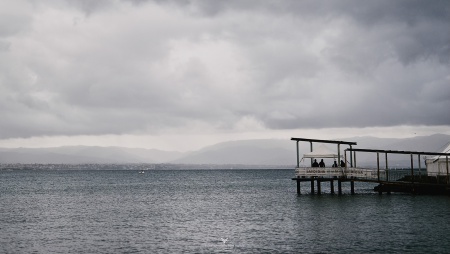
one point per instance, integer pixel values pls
(178, 75)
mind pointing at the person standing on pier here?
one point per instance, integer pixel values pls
(342, 164)
(315, 164)
(322, 164)
(334, 164)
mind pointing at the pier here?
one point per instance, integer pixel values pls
(415, 180)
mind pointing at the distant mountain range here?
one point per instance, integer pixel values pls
(244, 152)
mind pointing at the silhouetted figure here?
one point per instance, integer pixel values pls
(334, 164)
(315, 164)
(322, 164)
(342, 164)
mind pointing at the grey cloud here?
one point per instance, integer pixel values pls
(425, 24)
(14, 20)
(151, 65)
(4, 45)
(90, 7)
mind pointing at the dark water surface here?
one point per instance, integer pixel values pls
(209, 211)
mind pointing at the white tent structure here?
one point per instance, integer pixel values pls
(439, 165)
(321, 152)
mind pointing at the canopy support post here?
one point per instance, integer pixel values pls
(387, 169)
(378, 166)
(339, 153)
(446, 163)
(412, 169)
(351, 158)
(345, 159)
(420, 173)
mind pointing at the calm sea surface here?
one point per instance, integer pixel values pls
(209, 211)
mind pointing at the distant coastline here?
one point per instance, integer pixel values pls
(137, 166)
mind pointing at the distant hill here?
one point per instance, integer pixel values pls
(85, 154)
(244, 152)
(283, 152)
(256, 152)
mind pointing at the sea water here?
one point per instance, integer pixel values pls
(209, 211)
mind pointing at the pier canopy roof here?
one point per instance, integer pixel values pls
(324, 141)
(446, 150)
(321, 152)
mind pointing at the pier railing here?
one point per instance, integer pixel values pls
(366, 174)
(321, 172)
(360, 173)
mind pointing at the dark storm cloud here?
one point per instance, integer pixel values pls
(135, 66)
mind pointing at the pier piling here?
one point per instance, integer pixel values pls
(339, 187)
(319, 190)
(332, 186)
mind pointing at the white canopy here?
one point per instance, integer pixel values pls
(321, 152)
(437, 165)
(437, 157)
(446, 150)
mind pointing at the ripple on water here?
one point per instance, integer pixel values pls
(194, 211)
